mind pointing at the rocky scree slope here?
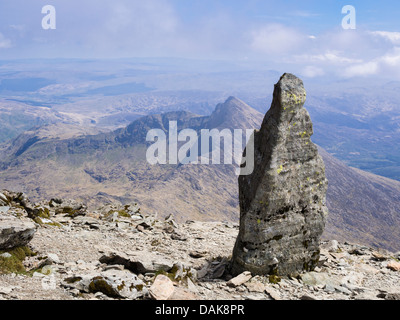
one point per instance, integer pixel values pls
(119, 253)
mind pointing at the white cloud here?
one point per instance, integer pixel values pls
(330, 57)
(277, 39)
(303, 14)
(387, 64)
(312, 71)
(348, 54)
(18, 27)
(392, 59)
(363, 69)
(393, 37)
(4, 42)
(132, 28)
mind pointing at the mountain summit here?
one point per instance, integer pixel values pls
(234, 113)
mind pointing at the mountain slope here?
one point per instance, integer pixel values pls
(113, 167)
(363, 207)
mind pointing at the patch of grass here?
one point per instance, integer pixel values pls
(274, 279)
(14, 263)
(120, 213)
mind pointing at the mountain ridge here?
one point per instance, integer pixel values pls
(111, 167)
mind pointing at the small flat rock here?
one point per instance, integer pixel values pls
(392, 296)
(52, 258)
(6, 290)
(273, 293)
(307, 297)
(178, 237)
(255, 286)
(197, 254)
(337, 256)
(3, 198)
(331, 246)
(316, 279)
(394, 265)
(358, 252)
(343, 290)
(367, 295)
(191, 286)
(379, 256)
(181, 293)
(162, 288)
(254, 296)
(329, 288)
(114, 267)
(366, 268)
(240, 279)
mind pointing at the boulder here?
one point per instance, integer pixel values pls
(15, 232)
(283, 201)
(139, 262)
(120, 284)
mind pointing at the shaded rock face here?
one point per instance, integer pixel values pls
(282, 203)
(14, 232)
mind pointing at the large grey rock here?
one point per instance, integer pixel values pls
(282, 203)
(15, 232)
(139, 262)
(113, 283)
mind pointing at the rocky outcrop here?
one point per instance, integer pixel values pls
(14, 232)
(282, 203)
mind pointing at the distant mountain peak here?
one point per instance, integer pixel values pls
(234, 113)
(232, 103)
(233, 99)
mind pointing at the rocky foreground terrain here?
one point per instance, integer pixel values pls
(58, 250)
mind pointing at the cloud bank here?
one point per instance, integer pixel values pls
(161, 28)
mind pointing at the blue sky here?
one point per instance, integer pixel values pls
(307, 35)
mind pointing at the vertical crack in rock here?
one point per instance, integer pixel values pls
(283, 202)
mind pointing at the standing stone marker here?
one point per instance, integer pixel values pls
(283, 202)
